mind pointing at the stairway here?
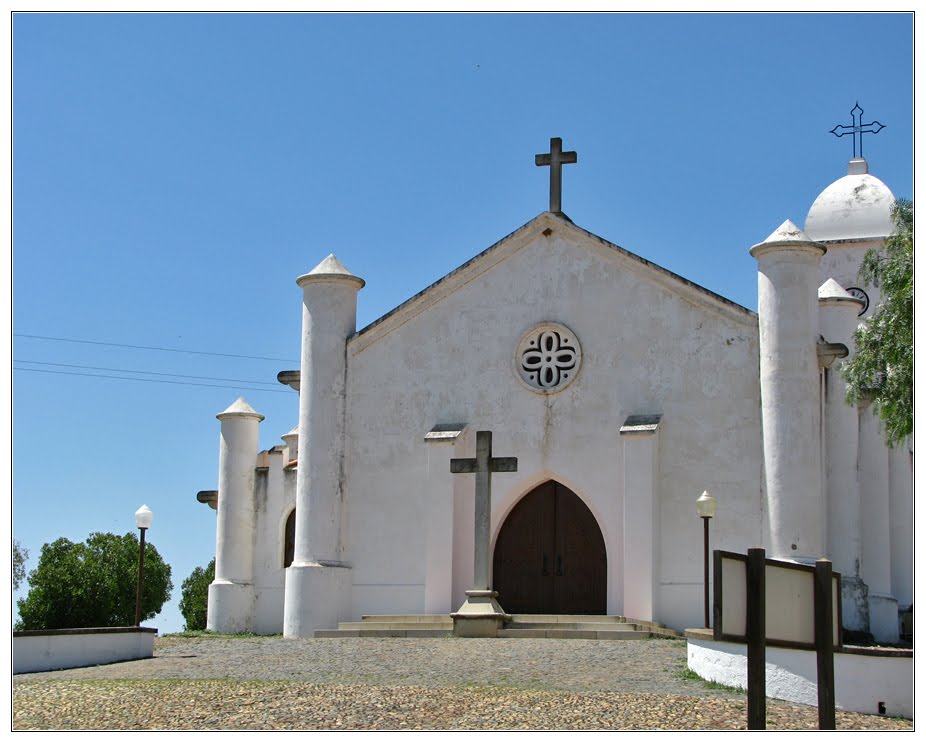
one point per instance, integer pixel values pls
(583, 627)
(558, 626)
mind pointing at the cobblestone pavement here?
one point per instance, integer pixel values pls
(269, 683)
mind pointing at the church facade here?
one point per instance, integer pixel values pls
(623, 390)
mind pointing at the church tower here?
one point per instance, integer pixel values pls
(231, 594)
(834, 488)
(838, 321)
(865, 503)
(789, 383)
(318, 582)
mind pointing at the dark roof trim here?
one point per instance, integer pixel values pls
(571, 225)
(444, 278)
(667, 272)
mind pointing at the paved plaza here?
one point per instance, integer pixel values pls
(270, 683)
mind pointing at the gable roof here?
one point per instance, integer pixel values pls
(509, 245)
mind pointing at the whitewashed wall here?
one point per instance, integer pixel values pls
(651, 344)
(51, 650)
(862, 680)
(275, 498)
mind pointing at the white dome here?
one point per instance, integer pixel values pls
(857, 206)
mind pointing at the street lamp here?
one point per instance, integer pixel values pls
(143, 519)
(707, 507)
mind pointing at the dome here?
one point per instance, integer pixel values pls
(857, 206)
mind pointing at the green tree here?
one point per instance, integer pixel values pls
(194, 596)
(20, 555)
(93, 584)
(882, 369)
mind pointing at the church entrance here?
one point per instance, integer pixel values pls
(550, 556)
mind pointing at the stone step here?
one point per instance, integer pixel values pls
(569, 618)
(574, 634)
(600, 622)
(365, 625)
(408, 618)
(581, 626)
(329, 633)
(574, 618)
(558, 626)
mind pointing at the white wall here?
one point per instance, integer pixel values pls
(861, 681)
(50, 651)
(650, 345)
(276, 497)
(901, 518)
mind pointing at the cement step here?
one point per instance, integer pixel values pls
(409, 618)
(560, 626)
(365, 625)
(569, 618)
(393, 625)
(589, 623)
(573, 634)
(588, 626)
(572, 618)
(384, 632)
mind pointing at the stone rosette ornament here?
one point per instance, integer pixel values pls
(548, 357)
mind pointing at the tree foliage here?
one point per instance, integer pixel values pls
(194, 596)
(93, 584)
(20, 555)
(882, 369)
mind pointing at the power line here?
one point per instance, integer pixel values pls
(139, 379)
(142, 371)
(152, 348)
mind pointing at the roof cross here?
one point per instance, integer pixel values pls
(556, 158)
(857, 129)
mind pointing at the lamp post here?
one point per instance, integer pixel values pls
(707, 507)
(143, 519)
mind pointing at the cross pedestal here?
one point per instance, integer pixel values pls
(480, 615)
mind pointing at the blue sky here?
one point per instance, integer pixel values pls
(174, 174)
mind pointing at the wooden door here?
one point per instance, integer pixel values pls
(550, 556)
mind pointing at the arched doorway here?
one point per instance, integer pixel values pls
(550, 556)
(289, 539)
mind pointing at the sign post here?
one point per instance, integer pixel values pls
(763, 602)
(755, 639)
(823, 639)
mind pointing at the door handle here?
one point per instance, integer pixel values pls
(559, 564)
(544, 570)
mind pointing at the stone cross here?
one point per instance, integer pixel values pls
(556, 158)
(857, 129)
(483, 466)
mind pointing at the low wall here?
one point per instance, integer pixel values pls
(52, 650)
(864, 677)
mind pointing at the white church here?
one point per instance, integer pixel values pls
(622, 389)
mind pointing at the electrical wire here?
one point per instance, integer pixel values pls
(152, 348)
(142, 371)
(159, 381)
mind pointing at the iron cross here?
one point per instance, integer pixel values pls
(483, 466)
(857, 129)
(556, 158)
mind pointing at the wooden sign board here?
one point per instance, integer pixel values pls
(789, 604)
